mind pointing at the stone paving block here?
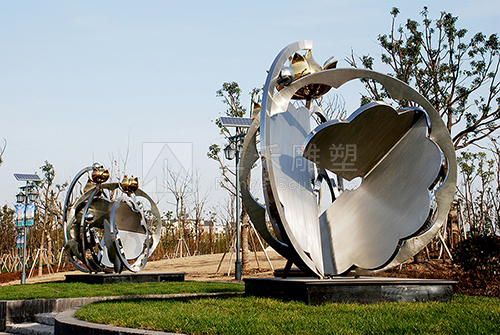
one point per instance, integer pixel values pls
(30, 328)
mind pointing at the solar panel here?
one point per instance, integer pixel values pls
(26, 177)
(244, 122)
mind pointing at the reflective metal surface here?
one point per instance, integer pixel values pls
(286, 76)
(103, 234)
(129, 234)
(273, 203)
(129, 185)
(301, 66)
(364, 227)
(99, 174)
(405, 157)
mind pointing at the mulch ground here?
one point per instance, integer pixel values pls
(467, 283)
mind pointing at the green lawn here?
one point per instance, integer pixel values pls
(252, 315)
(77, 290)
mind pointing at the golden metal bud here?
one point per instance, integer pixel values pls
(303, 66)
(99, 174)
(129, 185)
(88, 186)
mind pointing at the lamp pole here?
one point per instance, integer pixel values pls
(237, 264)
(234, 152)
(25, 198)
(25, 235)
(230, 153)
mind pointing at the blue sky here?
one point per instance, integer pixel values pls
(90, 81)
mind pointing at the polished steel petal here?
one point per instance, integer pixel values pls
(353, 147)
(364, 227)
(293, 176)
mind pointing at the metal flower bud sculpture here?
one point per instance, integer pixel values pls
(105, 230)
(301, 66)
(405, 158)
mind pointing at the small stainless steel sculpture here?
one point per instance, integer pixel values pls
(106, 231)
(405, 158)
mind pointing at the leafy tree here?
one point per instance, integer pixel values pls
(494, 191)
(459, 76)
(231, 96)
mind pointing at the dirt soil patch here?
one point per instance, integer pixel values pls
(197, 268)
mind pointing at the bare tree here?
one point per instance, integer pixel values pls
(49, 209)
(8, 230)
(199, 201)
(2, 150)
(179, 184)
(477, 192)
(495, 190)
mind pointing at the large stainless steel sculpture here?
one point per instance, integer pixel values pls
(104, 225)
(405, 158)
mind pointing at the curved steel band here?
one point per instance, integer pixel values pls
(72, 253)
(270, 193)
(256, 211)
(439, 134)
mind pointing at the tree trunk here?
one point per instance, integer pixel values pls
(210, 237)
(49, 248)
(420, 257)
(40, 263)
(244, 240)
(45, 219)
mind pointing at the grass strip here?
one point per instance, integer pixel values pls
(253, 315)
(54, 290)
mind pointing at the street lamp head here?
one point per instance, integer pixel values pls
(32, 195)
(230, 152)
(20, 197)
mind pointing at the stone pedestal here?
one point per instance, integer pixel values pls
(111, 278)
(364, 290)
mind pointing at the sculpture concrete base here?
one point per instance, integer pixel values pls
(364, 290)
(112, 278)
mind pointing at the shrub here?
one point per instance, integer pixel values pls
(479, 254)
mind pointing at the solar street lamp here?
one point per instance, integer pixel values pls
(230, 152)
(25, 199)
